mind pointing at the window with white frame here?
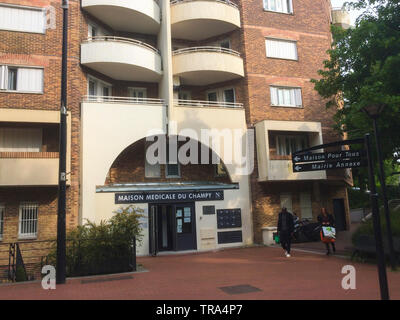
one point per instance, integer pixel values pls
(223, 95)
(98, 89)
(140, 93)
(21, 79)
(283, 6)
(21, 139)
(96, 31)
(28, 220)
(22, 19)
(306, 205)
(2, 214)
(286, 97)
(288, 144)
(281, 49)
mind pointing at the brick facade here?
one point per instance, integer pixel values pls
(309, 26)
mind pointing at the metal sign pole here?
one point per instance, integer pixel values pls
(376, 223)
(61, 216)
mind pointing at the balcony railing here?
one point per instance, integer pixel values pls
(205, 104)
(127, 100)
(28, 155)
(123, 40)
(230, 3)
(206, 49)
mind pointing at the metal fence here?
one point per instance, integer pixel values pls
(23, 261)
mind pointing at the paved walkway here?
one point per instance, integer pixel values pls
(200, 276)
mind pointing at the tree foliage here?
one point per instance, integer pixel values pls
(363, 69)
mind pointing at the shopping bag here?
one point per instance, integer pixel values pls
(329, 232)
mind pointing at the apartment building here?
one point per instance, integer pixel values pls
(145, 69)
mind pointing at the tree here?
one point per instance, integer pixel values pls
(363, 69)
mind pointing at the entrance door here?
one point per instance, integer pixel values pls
(185, 227)
(165, 228)
(340, 214)
(172, 227)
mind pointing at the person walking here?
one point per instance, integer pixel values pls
(327, 220)
(285, 230)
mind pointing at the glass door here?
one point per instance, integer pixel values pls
(185, 227)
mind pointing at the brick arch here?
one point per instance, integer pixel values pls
(129, 167)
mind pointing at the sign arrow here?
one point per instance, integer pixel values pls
(328, 156)
(333, 165)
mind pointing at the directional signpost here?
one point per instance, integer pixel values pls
(308, 161)
(305, 160)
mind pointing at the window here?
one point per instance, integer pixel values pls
(184, 95)
(21, 79)
(20, 139)
(283, 6)
(287, 144)
(22, 19)
(98, 90)
(223, 95)
(28, 220)
(138, 93)
(226, 43)
(286, 202)
(2, 211)
(286, 97)
(151, 170)
(172, 170)
(305, 205)
(282, 49)
(12, 79)
(96, 31)
(212, 96)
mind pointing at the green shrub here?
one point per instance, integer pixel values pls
(368, 229)
(105, 247)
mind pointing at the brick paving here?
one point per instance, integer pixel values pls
(202, 275)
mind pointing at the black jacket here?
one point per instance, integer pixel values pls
(289, 222)
(328, 220)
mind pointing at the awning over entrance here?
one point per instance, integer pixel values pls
(166, 186)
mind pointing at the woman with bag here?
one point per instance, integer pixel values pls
(327, 222)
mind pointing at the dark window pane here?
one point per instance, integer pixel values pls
(12, 79)
(229, 95)
(212, 96)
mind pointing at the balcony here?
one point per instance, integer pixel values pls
(341, 18)
(38, 164)
(202, 19)
(207, 65)
(279, 168)
(122, 58)
(136, 16)
(29, 168)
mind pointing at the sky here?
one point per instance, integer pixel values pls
(353, 14)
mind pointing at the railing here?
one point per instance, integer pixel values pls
(128, 100)
(29, 155)
(122, 40)
(22, 261)
(230, 3)
(201, 104)
(206, 49)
